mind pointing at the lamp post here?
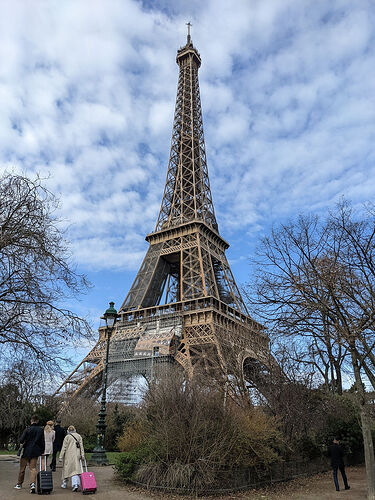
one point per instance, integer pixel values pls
(99, 456)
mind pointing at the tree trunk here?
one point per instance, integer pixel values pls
(367, 349)
(369, 374)
(369, 452)
(338, 378)
(366, 430)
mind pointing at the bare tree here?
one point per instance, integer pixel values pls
(315, 281)
(36, 275)
(22, 393)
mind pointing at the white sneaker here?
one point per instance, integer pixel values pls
(75, 488)
(17, 487)
(64, 484)
(32, 488)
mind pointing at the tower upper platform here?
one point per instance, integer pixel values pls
(186, 52)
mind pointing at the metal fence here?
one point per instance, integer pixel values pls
(226, 480)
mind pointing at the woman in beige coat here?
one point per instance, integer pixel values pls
(71, 453)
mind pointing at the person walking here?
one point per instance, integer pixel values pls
(49, 438)
(337, 462)
(60, 434)
(71, 453)
(33, 446)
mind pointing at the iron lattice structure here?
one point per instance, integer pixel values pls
(184, 304)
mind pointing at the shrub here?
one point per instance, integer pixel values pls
(258, 438)
(83, 414)
(89, 442)
(308, 447)
(132, 437)
(126, 464)
(321, 417)
(342, 420)
(183, 436)
(176, 476)
(118, 416)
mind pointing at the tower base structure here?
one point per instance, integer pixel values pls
(201, 335)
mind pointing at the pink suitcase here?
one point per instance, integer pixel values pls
(88, 481)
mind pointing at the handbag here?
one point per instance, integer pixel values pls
(77, 442)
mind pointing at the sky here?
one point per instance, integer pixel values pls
(87, 94)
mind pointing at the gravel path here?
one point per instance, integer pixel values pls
(318, 487)
(108, 488)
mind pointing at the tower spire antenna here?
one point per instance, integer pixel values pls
(188, 35)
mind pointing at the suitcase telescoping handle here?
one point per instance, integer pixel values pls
(40, 463)
(80, 461)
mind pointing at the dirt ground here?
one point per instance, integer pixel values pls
(318, 487)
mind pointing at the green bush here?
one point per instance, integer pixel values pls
(44, 413)
(127, 463)
(330, 416)
(308, 447)
(349, 432)
(89, 442)
(118, 417)
(83, 414)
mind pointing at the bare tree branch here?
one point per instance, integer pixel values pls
(37, 276)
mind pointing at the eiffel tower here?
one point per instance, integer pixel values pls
(184, 305)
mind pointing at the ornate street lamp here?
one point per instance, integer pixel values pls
(99, 456)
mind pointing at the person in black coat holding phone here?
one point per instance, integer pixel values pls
(337, 462)
(32, 440)
(60, 434)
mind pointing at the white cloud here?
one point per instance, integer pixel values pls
(87, 91)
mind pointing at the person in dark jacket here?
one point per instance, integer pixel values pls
(337, 462)
(60, 434)
(32, 440)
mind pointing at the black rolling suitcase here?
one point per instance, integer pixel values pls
(44, 484)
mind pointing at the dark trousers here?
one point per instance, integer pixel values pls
(335, 478)
(53, 461)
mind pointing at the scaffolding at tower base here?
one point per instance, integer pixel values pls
(141, 348)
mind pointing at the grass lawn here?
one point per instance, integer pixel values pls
(111, 455)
